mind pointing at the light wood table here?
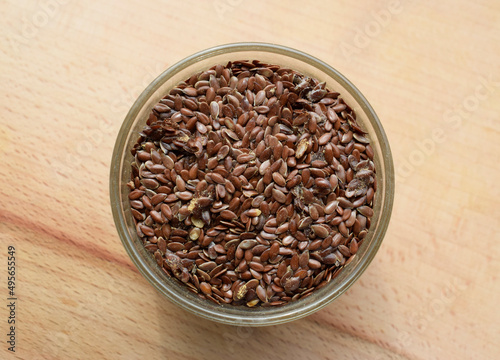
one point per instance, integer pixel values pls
(69, 72)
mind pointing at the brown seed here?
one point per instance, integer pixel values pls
(344, 250)
(353, 246)
(283, 228)
(244, 158)
(325, 138)
(264, 166)
(288, 240)
(279, 196)
(228, 215)
(262, 109)
(320, 230)
(180, 183)
(369, 195)
(259, 98)
(156, 216)
(313, 212)
(252, 284)
(175, 246)
(135, 194)
(352, 218)
(306, 174)
(330, 259)
(158, 198)
(304, 259)
(261, 293)
(344, 203)
(214, 109)
(230, 187)
(322, 183)
(138, 215)
(292, 284)
(343, 229)
(314, 264)
(331, 207)
(281, 216)
(248, 244)
(202, 129)
(166, 211)
(369, 152)
(223, 152)
(279, 179)
(205, 288)
(294, 262)
(275, 247)
(366, 211)
(150, 184)
(184, 195)
(137, 204)
(253, 212)
(304, 223)
(256, 266)
(212, 163)
(329, 154)
(281, 270)
(218, 178)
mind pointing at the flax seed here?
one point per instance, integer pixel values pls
(252, 184)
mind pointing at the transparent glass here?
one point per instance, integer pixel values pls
(120, 175)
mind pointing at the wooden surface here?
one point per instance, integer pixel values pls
(69, 72)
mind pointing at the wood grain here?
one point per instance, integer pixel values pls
(71, 70)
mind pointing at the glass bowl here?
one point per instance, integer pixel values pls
(171, 288)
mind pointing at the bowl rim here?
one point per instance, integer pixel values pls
(117, 165)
